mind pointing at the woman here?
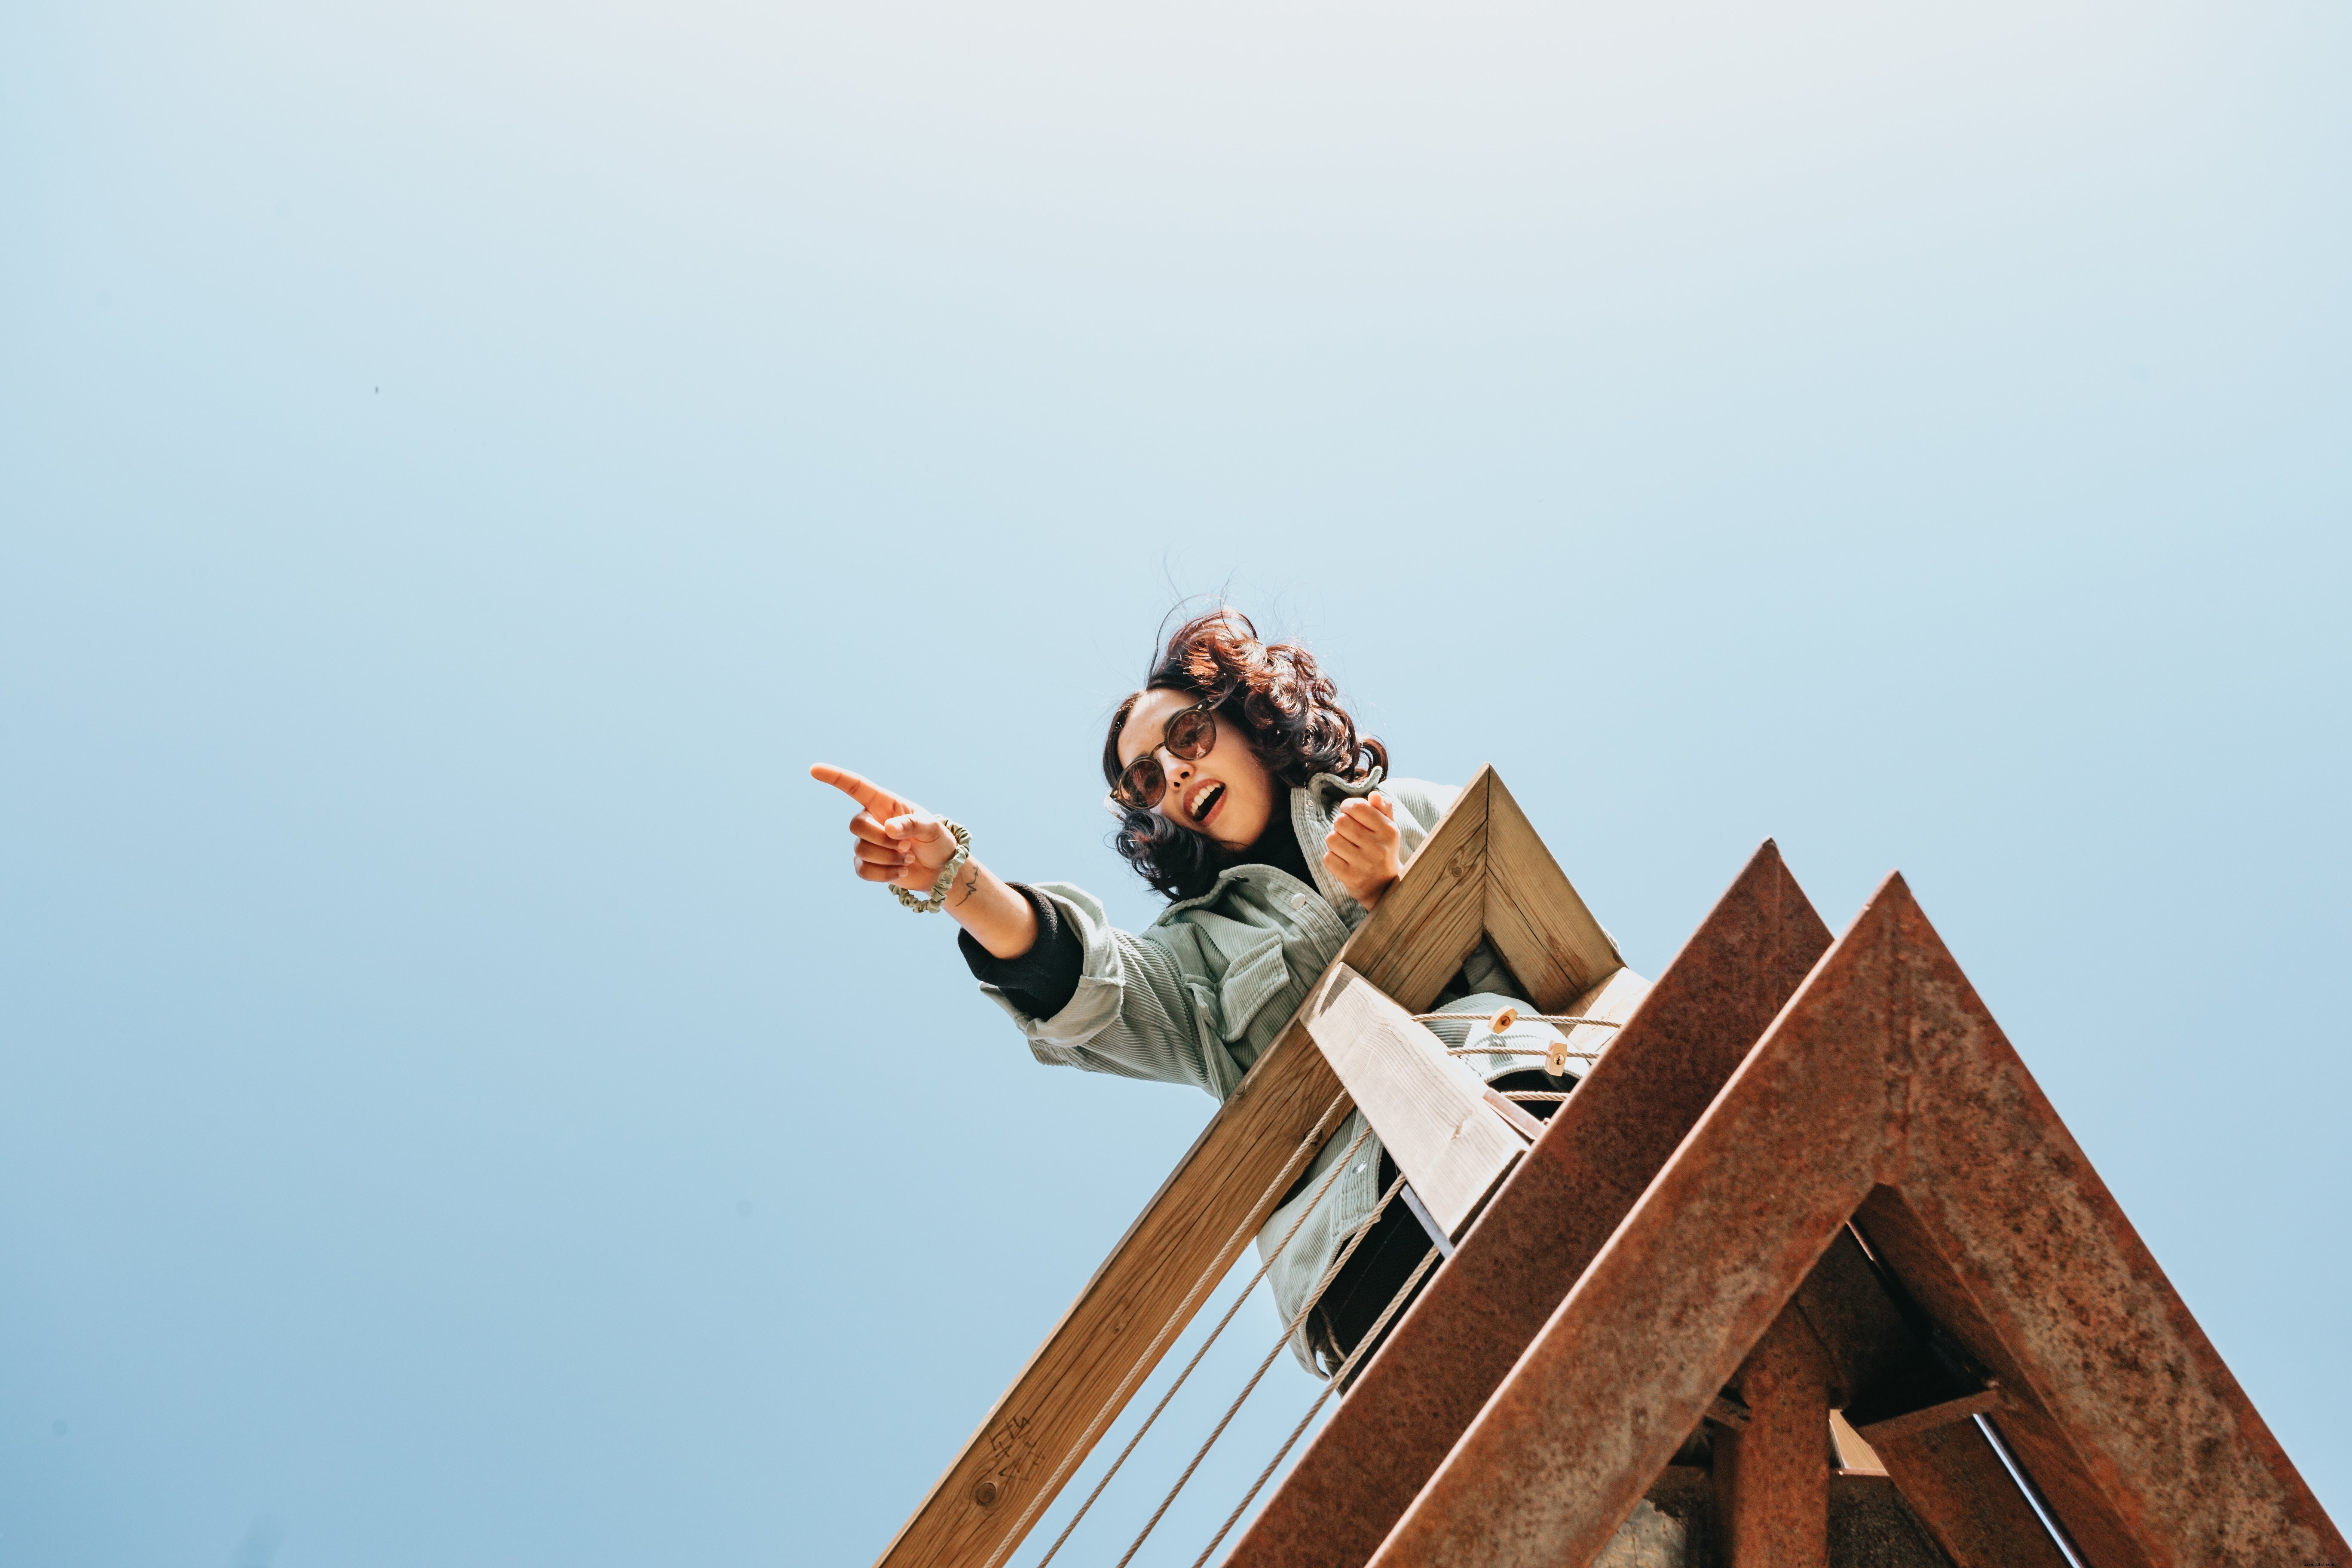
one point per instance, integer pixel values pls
(1246, 798)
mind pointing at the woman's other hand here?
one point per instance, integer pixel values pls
(1364, 851)
(892, 838)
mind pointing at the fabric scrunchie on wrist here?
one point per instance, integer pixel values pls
(938, 895)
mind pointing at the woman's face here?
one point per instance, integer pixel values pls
(1227, 795)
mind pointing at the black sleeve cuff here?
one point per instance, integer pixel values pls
(1041, 981)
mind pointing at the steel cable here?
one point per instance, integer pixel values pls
(1338, 1166)
(1117, 1401)
(1251, 1386)
(1372, 1338)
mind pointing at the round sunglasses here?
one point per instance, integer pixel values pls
(1189, 736)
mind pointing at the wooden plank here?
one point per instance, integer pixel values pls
(1124, 1320)
(1854, 1457)
(1429, 1109)
(1614, 998)
(1527, 1127)
(1533, 914)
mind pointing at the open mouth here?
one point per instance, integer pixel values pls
(1206, 798)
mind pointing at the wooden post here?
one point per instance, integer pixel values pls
(1772, 1474)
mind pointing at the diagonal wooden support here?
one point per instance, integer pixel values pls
(1429, 1109)
(1534, 918)
(1552, 1214)
(1884, 1087)
(1211, 1205)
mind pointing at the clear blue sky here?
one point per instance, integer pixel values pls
(460, 462)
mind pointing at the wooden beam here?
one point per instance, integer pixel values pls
(1614, 998)
(1429, 1109)
(1127, 1315)
(1533, 914)
(1527, 1127)
(1854, 1457)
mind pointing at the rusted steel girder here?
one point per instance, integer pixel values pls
(1883, 1080)
(1881, 1365)
(1772, 1471)
(1960, 1489)
(1543, 1226)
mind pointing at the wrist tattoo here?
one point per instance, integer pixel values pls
(970, 881)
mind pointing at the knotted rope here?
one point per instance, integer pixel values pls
(1502, 1023)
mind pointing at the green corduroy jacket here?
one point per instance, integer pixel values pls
(1194, 997)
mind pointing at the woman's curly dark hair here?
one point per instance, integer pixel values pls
(1278, 696)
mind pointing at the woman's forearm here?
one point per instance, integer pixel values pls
(999, 919)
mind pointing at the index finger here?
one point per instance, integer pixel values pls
(865, 791)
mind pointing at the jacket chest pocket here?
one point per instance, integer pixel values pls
(1253, 978)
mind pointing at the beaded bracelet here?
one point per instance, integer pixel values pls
(939, 898)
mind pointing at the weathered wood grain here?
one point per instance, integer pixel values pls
(1534, 916)
(1429, 1109)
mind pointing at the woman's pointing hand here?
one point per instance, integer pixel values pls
(893, 839)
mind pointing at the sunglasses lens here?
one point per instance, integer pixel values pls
(1142, 785)
(1191, 735)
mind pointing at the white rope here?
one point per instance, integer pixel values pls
(1338, 1166)
(1371, 1337)
(1536, 1094)
(1118, 1400)
(1251, 1386)
(1569, 1018)
(1514, 1051)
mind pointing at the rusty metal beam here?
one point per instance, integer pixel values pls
(1884, 1072)
(1928, 1417)
(1960, 1489)
(1543, 1226)
(1949, 1475)
(1772, 1471)
(1895, 1233)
